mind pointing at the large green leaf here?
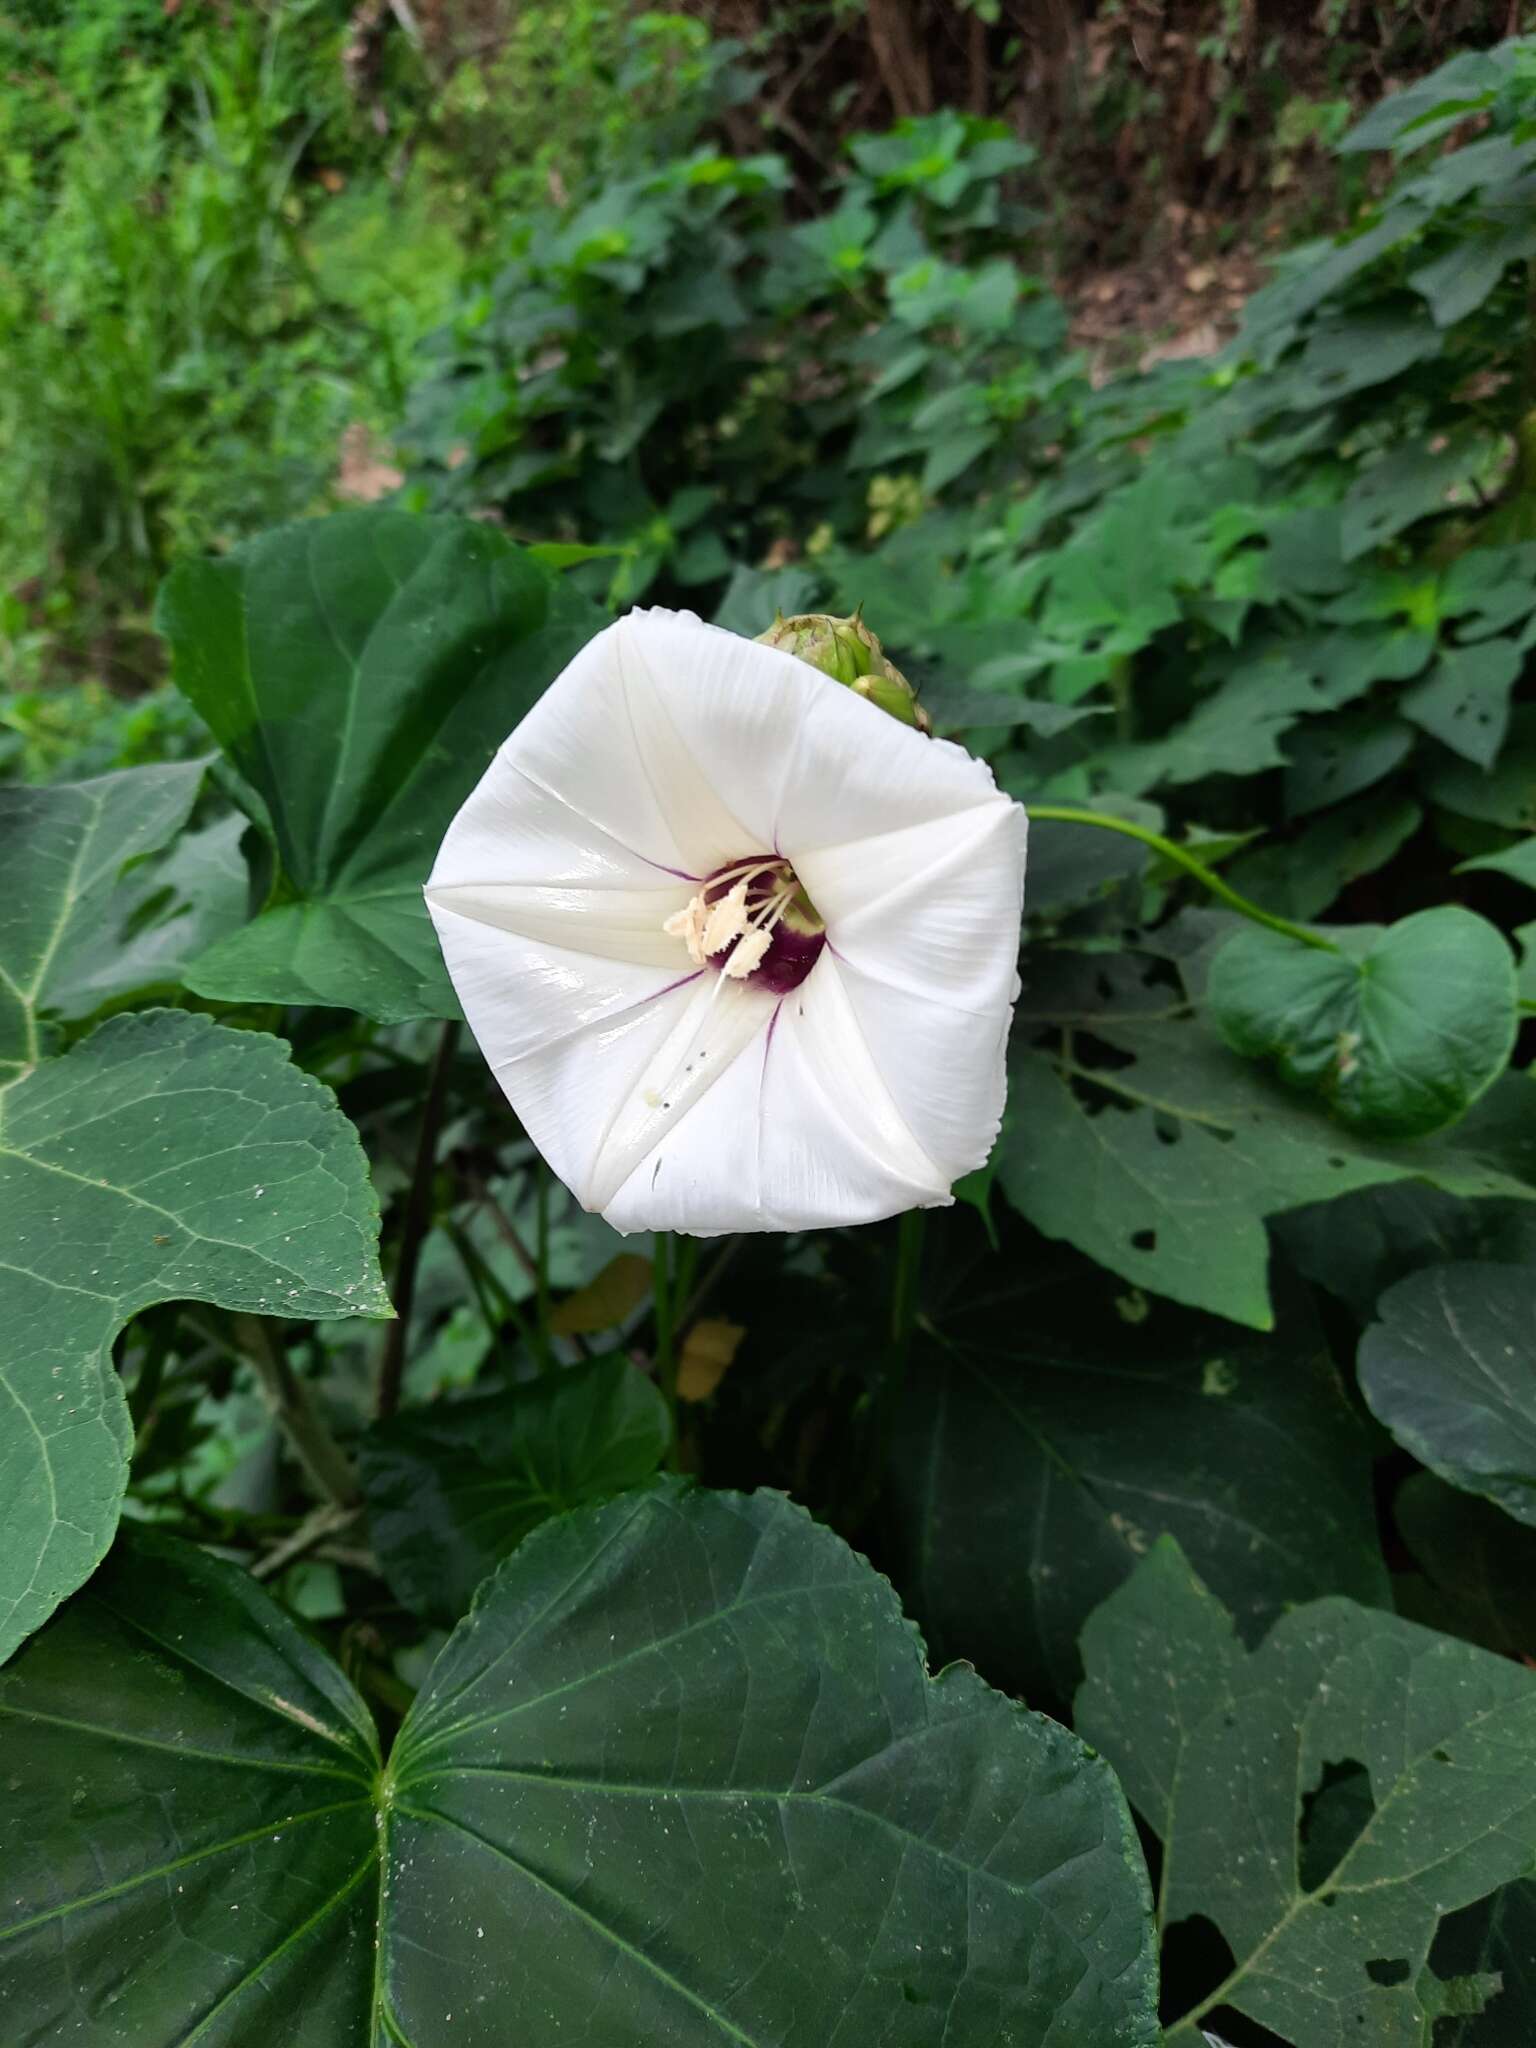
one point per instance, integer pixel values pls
(680, 1777)
(1451, 1371)
(1477, 1575)
(1358, 1246)
(451, 1491)
(1220, 1751)
(66, 902)
(359, 672)
(1164, 1168)
(1045, 1439)
(1399, 1033)
(164, 1158)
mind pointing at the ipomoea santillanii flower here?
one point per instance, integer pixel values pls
(740, 948)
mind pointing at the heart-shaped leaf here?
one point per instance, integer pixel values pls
(164, 1158)
(359, 672)
(1451, 1371)
(680, 1777)
(1399, 1034)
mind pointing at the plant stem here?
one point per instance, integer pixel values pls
(300, 1421)
(327, 1521)
(1063, 814)
(693, 1302)
(666, 1351)
(418, 1217)
(909, 1259)
(541, 1262)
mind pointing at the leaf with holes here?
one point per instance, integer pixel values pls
(65, 851)
(681, 1776)
(1046, 1436)
(451, 1492)
(1399, 1033)
(1464, 700)
(359, 672)
(1450, 1369)
(1163, 1168)
(164, 1158)
(1220, 1751)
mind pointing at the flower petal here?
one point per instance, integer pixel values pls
(835, 1146)
(932, 908)
(604, 924)
(946, 1068)
(675, 1088)
(801, 761)
(513, 829)
(596, 742)
(563, 1032)
(858, 773)
(803, 1134)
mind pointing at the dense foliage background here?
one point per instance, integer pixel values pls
(360, 362)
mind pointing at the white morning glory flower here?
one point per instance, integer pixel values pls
(740, 948)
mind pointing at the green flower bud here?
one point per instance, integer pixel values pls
(847, 651)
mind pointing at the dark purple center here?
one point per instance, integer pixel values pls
(797, 933)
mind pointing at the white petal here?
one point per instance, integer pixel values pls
(801, 761)
(801, 1132)
(933, 908)
(676, 1086)
(858, 773)
(511, 829)
(607, 924)
(540, 1012)
(704, 1176)
(945, 1067)
(735, 708)
(835, 1145)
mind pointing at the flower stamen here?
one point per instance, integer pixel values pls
(752, 915)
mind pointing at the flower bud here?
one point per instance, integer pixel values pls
(847, 651)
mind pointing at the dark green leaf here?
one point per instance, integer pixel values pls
(1358, 1246)
(1518, 862)
(165, 1158)
(958, 711)
(1220, 1750)
(453, 1491)
(754, 598)
(1459, 281)
(359, 672)
(1169, 1182)
(1412, 479)
(1331, 759)
(1302, 878)
(1234, 732)
(1464, 700)
(1479, 1568)
(681, 1776)
(1504, 794)
(1398, 1035)
(1450, 1369)
(66, 900)
(1044, 1443)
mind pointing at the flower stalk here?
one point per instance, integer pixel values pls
(1065, 814)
